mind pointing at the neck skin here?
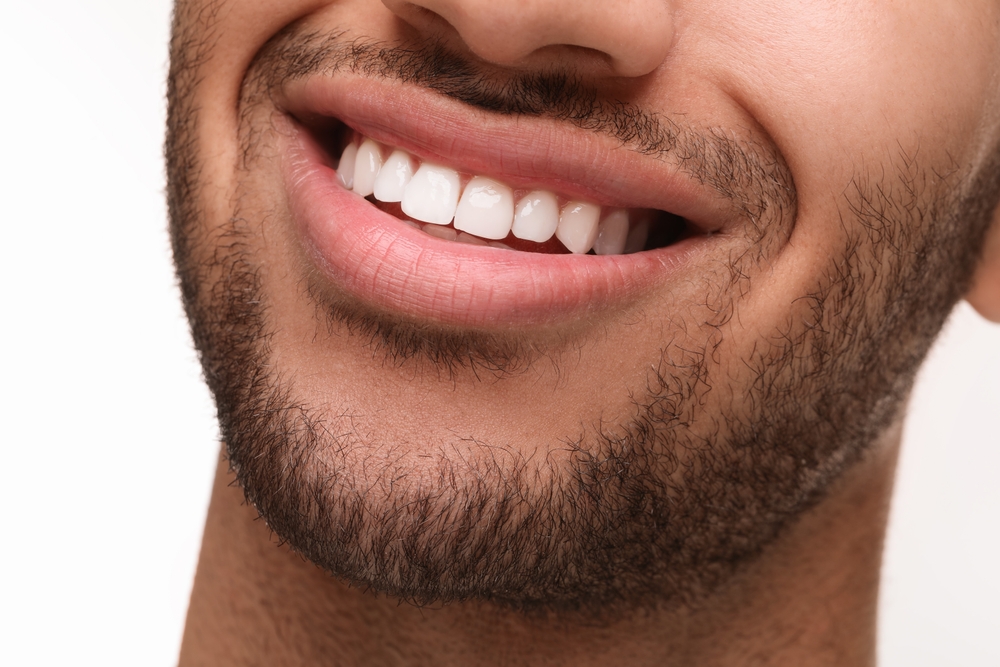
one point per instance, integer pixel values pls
(810, 599)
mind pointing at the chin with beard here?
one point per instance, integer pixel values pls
(661, 507)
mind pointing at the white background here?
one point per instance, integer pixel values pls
(107, 443)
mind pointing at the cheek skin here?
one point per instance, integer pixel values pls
(841, 88)
(846, 89)
(220, 40)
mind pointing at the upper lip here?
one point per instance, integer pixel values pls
(522, 152)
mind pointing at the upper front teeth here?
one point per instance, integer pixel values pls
(484, 208)
(432, 194)
(395, 174)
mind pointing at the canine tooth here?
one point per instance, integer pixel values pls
(463, 237)
(345, 168)
(612, 233)
(432, 194)
(366, 167)
(396, 172)
(486, 209)
(536, 217)
(637, 236)
(577, 227)
(446, 233)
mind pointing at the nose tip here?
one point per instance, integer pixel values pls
(632, 37)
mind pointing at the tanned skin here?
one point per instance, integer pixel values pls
(695, 470)
(812, 602)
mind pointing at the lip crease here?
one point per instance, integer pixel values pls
(397, 268)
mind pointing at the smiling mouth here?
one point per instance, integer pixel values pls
(481, 210)
(410, 204)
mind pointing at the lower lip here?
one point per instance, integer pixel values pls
(402, 270)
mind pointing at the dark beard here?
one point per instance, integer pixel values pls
(663, 507)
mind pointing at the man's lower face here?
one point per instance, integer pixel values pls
(552, 340)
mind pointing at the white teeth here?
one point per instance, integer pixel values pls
(366, 167)
(486, 209)
(536, 217)
(345, 169)
(577, 227)
(612, 233)
(392, 179)
(432, 194)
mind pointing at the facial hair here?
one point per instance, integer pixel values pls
(661, 508)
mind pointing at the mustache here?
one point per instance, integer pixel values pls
(750, 173)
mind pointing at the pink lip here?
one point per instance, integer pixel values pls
(397, 268)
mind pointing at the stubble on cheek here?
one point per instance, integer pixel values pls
(709, 466)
